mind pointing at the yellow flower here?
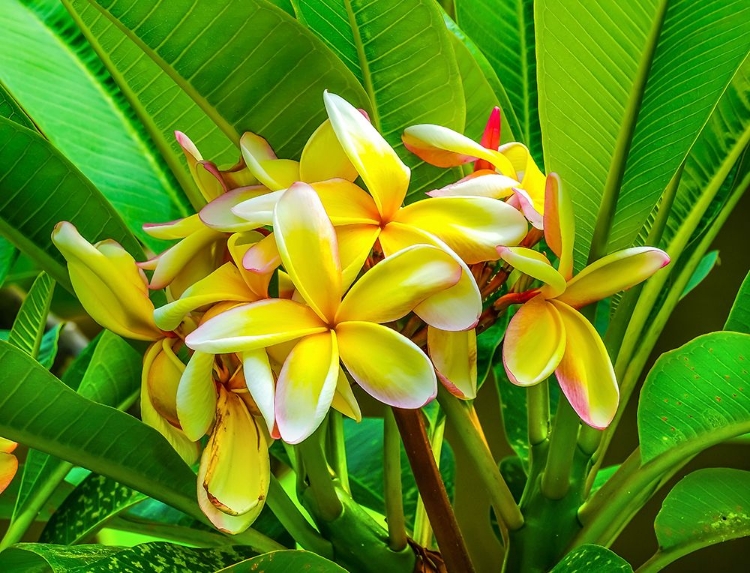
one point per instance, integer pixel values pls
(8, 463)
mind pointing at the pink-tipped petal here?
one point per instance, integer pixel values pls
(526, 171)
(258, 210)
(384, 174)
(261, 253)
(323, 157)
(534, 343)
(526, 205)
(536, 265)
(387, 365)
(585, 372)
(218, 213)
(559, 224)
(308, 248)
(306, 386)
(454, 355)
(255, 325)
(613, 273)
(209, 180)
(261, 384)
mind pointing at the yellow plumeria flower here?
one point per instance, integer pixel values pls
(8, 463)
(328, 329)
(548, 334)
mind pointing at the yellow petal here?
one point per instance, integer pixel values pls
(8, 469)
(355, 245)
(172, 230)
(526, 171)
(306, 386)
(209, 181)
(196, 396)
(534, 343)
(444, 147)
(324, 158)
(187, 449)
(255, 325)
(386, 364)
(454, 355)
(258, 210)
(395, 286)
(308, 247)
(262, 163)
(344, 400)
(473, 227)
(235, 467)
(256, 257)
(346, 204)
(585, 372)
(529, 210)
(224, 284)
(172, 261)
(384, 174)
(613, 273)
(163, 379)
(261, 384)
(7, 446)
(192, 155)
(559, 224)
(479, 184)
(455, 308)
(218, 214)
(536, 265)
(108, 283)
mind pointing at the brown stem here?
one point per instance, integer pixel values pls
(432, 490)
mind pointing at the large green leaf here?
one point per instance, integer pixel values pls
(39, 188)
(739, 317)
(285, 562)
(401, 53)
(84, 433)
(145, 558)
(48, 347)
(629, 83)
(706, 507)
(592, 559)
(52, 71)
(504, 31)
(248, 65)
(28, 328)
(8, 256)
(696, 396)
(161, 105)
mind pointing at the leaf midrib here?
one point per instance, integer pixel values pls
(363, 63)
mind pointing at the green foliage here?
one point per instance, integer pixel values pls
(8, 256)
(696, 396)
(592, 559)
(28, 328)
(401, 53)
(739, 317)
(285, 562)
(705, 266)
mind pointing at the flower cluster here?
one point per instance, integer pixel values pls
(295, 283)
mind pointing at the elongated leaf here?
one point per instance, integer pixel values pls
(616, 86)
(739, 316)
(285, 562)
(39, 188)
(696, 396)
(8, 256)
(592, 559)
(701, 272)
(706, 507)
(161, 105)
(87, 509)
(10, 109)
(84, 115)
(48, 347)
(488, 345)
(504, 32)
(401, 53)
(28, 328)
(81, 432)
(163, 557)
(278, 69)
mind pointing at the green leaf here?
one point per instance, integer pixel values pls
(592, 559)
(8, 256)
(32, 172)
(513, 408)
(285, 562)
(706, 507)
(84, 433)
(160, 104)
(84, 115)
(739, 317)
(622, 105)
(488, 344)
(10, 109)
(48, 347)
(86, 510)
(601, 478)
(248, 65)
(705, 266)
(158, 556)
(696, 396)
(504, 32)
(513, 471)
(401, 53)
(28, 328)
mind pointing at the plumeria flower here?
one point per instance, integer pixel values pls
(500, 170)
(328, 329)
(8, 463)
(548, 334)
